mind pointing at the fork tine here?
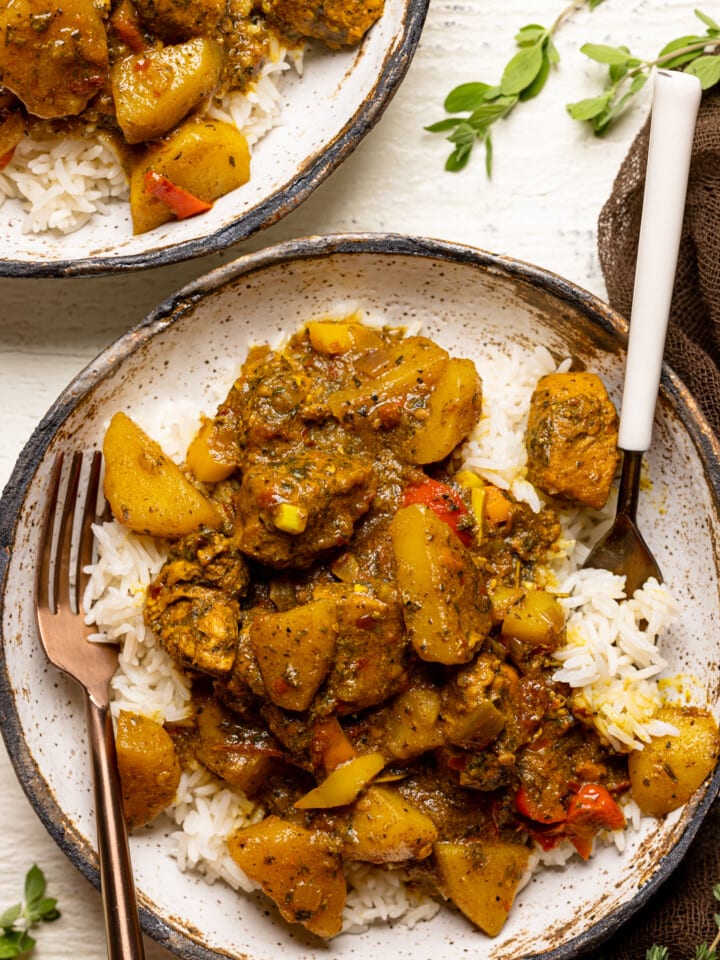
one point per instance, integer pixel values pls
(89, 517)
(61, 580)
(44, 590)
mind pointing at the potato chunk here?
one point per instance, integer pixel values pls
(148, 766)
(410, 723)
(387, 828)
(153, 90)
(453, 409)
(572, 438)
(146, 490)
(668, 771)
(481, 878)
(294, 650)
(53, 56)
(206, 158)
(297, 869)
(445, 604)
(389, 378)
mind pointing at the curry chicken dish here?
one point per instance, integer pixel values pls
(141, 73)
(370, 628)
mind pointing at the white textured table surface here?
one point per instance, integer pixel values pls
(551, 179)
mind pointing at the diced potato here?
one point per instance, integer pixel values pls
(502, 598)
(411, 723)
(481, 878)
(294, 650)
(296, 869)
(206, 158)
(153, 90)
(146, 491)
(344, 783)
(333, 337)
(445, 604)
(386, 828)
(453, 409)
(395, 372)
(666, 773)
(212, 454)
(148, 767)
(537, 619)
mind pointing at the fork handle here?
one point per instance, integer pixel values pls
(122, 925)
(676, 99)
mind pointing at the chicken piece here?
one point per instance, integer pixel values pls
(176, 20)
(193, 604)
(371, 649)
(571, 438)
(476, 701)
(148, 766)
(53, 57)
(338, 23)
(294, 509)
(246, 41)
(240, 754)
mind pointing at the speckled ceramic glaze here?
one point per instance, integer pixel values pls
(325, 114)
(474, 304)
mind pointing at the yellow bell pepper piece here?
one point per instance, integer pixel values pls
(290, 518)
(344, 783)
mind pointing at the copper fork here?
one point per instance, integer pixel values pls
(64, 552)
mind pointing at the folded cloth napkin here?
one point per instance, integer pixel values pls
(680, 916)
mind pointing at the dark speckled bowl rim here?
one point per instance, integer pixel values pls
(272, 209)
(392, 245)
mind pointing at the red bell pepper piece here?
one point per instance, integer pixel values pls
(6, 158)
(592, 809)
(444, 501)
(182, 203)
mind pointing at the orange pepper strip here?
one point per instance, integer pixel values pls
(182, 203)
(331, 743)
(498, 509)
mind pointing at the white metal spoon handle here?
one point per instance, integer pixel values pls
(676, 99)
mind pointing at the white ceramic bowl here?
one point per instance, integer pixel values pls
(473, 303)
(325, 114)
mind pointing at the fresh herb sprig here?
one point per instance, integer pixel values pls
(17, 921)
(628, 74)
(483, 104)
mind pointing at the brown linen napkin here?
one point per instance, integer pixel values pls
(680, 915)
(693, 342)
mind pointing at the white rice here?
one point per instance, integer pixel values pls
(63, 182)
(611, 660)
